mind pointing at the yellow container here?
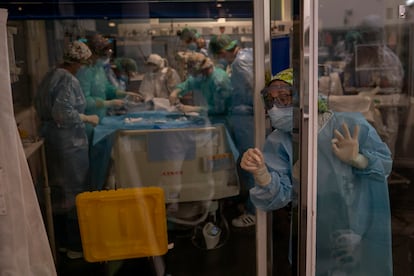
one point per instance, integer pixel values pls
(122, 224)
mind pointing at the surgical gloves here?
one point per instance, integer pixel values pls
(346, 147)
(253, 162)
(345, 248)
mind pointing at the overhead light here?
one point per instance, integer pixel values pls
(111, 24)
(221, 20)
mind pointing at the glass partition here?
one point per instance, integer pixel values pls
(365, 79)
(188, 144)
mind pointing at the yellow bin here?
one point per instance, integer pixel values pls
(122, 224)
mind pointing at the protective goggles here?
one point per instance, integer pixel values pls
(283, 98)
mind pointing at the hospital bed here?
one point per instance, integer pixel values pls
(190, 158)
(190, 164)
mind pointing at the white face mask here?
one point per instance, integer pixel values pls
(281, 118)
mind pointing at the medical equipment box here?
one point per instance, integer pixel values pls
(122, 224)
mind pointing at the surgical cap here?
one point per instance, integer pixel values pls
(76, 51)
(156, 60)
(99, 45)
(285, 75)
(372, 29)
(126, 64)
(197, 62)
(221, 42)
(188, 34)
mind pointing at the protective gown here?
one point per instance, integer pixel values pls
(159, 84)
(97, 88)
(242, 99)
(213, 92)
(353, 212)
(58, 103)
(241, 110)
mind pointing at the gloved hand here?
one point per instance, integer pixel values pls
(188, 108)
(132, 96)
(114, 103)
(346, 147)
(174, 97)
(253, 162)
(90, 119)
(346, 248)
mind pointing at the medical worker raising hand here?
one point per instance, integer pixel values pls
(353, 218)
(346, 147)
(253, 162)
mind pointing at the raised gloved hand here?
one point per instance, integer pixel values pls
(253, 162)
(346, 147)
(345, 248)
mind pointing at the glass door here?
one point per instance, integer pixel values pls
(364, 121)
(143, 51)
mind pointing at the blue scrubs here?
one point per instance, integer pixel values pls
(353, 212)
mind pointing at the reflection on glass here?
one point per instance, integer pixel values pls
(362, 71)
(189, 146)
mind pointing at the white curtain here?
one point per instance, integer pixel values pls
(24, 247)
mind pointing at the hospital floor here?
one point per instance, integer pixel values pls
(237, 256)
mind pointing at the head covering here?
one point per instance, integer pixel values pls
(285, 75)
(99, 45)
(197, 62)
(372, 29)
(156, 60)
(76, 51)
(187, 34)
(221, 42)
(125, 64)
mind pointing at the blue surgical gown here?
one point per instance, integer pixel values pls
(58, 102)
(348, 199)
(241, 111)
(242, 119)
